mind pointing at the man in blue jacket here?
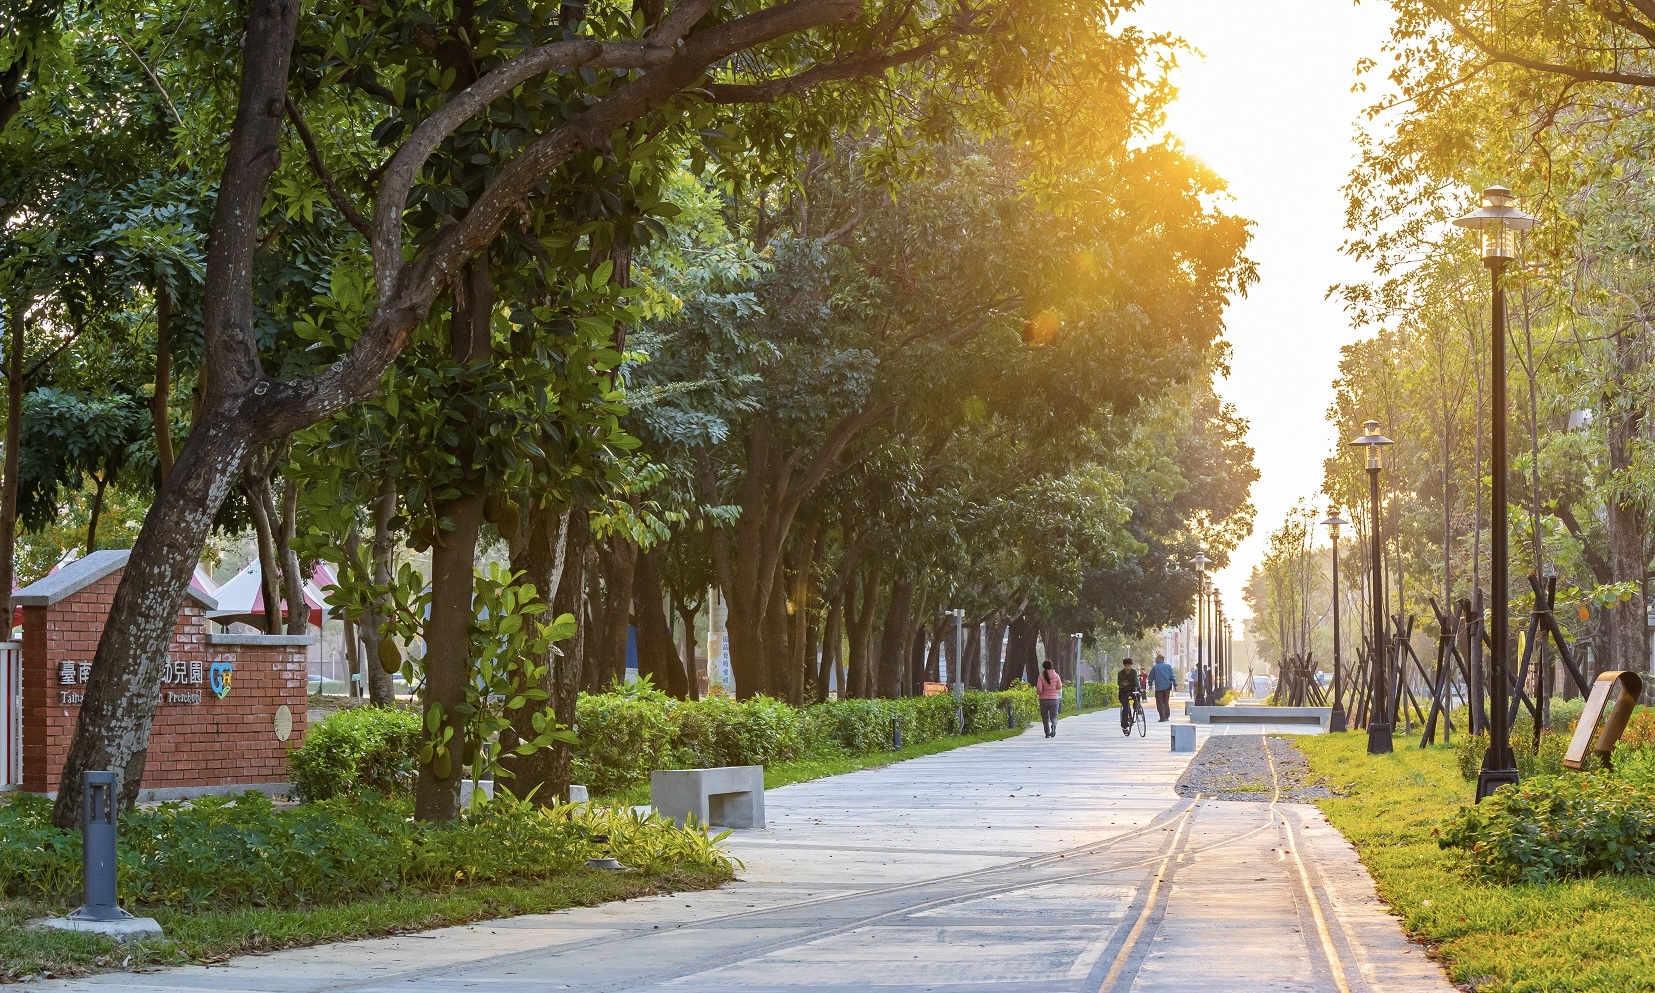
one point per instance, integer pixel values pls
(1161, 679)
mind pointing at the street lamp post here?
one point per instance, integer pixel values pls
(958, 613)
(958, 668)
(1379, 720)
(1203, 697)
(1336, 721)
(1219, 678)
(1499, 221)
(1080, 703)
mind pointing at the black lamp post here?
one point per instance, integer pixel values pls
(1379, 721)
(1203, 695)
(1336, 721)
(1499, 223)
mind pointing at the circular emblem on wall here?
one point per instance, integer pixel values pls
(284, 723)
(219, 677)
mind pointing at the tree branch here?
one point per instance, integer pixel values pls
(406, 291)
(335, 194)
(154, 80)
(404, 165)
(828, 72)
(1510, 58)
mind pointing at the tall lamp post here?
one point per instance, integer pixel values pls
(1203, 697)
(1219, 678)
(1499, 221)
(1080, 683)
(958, 668)
(1379, 721)
(1336, 721)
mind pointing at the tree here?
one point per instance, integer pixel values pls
(643, 69)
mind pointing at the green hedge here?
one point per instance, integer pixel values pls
(626, 734)
(243, 851)
(364, 749)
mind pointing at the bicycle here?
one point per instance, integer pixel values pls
(1138, 717)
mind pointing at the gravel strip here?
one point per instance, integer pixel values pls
(1235, 767)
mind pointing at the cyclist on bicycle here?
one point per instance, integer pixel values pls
(1126, 681)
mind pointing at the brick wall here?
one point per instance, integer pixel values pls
(198, 739)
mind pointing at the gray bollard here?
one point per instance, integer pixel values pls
(1011, 717)
(896, 734)
(97, 828)
(101, 912)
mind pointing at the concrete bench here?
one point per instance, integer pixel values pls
(1261, 715)
(732, 796)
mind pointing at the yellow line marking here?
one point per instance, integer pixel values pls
(1328, 948)
(1149, 901)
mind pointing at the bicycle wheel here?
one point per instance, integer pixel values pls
(1139, 719)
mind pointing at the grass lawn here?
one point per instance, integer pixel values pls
(27, 951)
(1586, 935)
(212, 936)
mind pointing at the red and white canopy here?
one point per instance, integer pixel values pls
(242, 598)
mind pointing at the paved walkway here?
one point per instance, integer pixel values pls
(1020, 866)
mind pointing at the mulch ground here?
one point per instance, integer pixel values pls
(1237, 767)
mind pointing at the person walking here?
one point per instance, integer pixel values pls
(1050, 688)
(1161, 678)
(1126, 686)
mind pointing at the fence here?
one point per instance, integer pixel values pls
(11, 715)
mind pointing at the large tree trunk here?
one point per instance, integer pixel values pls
(15, 387)
(544, 559)
(255, 489)
(102, 484)
(893, 642)
(1627, 623)
(1021, 661)
(973, 658)
(293, 578)
(687, 611)
(657, 655)
(778, 650)
(802, 596)
(568, 667)
(453, 571)
(860, 615)
(381, 688)
(828, 672)
(610, 589)
(994, 636)
(749, 555)
(120, 703)
(160, 414)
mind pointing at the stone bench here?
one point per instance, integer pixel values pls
(731, 796)
(1261, 714)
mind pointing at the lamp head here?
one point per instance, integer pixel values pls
(1499, 221)
(1373, 443)
(1201, 562)
(1334, 522)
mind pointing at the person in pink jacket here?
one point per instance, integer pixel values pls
(1050, 688)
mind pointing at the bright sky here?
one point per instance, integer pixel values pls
(1267, 103)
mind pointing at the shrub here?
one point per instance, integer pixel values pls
(1557, 827)
(1468, 754)
(622, 738)
(721, 731)
(246, 852)
(361, 750)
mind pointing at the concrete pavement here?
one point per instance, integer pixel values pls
(1021, 866)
